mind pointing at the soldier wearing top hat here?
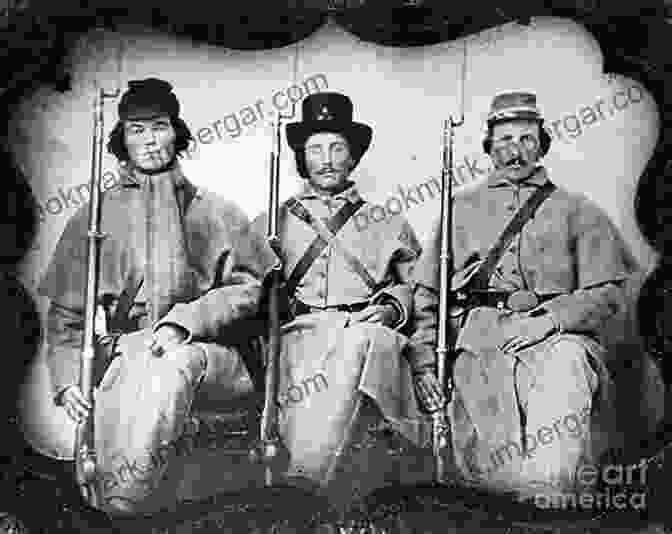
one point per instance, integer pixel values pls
(532, 391)
(343, 364)
(178, 268)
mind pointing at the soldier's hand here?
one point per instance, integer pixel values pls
(75, 404)
(428, 391)
(384, 314)
(525, 332)
(167, 338)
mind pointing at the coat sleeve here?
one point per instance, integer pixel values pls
(421, 351)
(64, 284)
(64, 338)
(402, 260)
(236, 287)
(602, 263)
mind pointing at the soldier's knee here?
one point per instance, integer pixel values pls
(571, 358)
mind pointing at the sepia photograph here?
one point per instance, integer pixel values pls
(336, 266)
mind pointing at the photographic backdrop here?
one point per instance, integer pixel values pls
(604, 126)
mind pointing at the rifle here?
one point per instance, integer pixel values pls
(269, 438)
(85, 454)
(440, 425)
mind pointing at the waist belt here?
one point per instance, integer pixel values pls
(518, 301)
(301, 308)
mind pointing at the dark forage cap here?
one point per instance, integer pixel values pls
(329, 112)
(147, 99)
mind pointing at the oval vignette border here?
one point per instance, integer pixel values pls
(633, 44)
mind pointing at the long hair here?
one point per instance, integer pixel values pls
(117, 147)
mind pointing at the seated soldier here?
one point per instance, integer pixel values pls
(532, 403)
(342, 365)
(177, 271)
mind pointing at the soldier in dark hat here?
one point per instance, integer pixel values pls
(342, 364)
(178, 269)
(532, 390)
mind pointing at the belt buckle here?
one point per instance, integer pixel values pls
(522, 301)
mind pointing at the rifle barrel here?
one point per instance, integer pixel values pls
(269, 439)
(441, 425)
(85, 454)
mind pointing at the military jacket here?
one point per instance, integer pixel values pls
(388, 250)
(225, 271)
(569, 247)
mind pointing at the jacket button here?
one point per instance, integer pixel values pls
(513, 249)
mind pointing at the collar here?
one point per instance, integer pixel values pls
(538, 178)
(350, 194)
(131, 177)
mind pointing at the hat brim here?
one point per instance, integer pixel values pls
(505, 116)
(357, 134)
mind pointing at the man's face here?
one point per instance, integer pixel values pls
(328, 161)
(515, 148)
(150, 143)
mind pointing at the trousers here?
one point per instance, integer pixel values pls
(142, 416)
(531, 423)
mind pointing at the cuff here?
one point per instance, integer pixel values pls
(188, 333)
(387, 300)
(554, 309)
(421, 358)
(545, 312)
(400, 297)
(58, 397)
(556, 322)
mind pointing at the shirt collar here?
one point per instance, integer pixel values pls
(350, 194)
(538, 178)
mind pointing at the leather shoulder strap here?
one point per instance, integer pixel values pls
(336, 243)
(481, 279)
(334, 225)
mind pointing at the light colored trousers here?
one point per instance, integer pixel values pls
(336, 379)
(532, 423)
(142, 409)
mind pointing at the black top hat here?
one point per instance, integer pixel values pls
(148, 98)
(329, 112)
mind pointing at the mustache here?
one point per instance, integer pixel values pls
(325, 170)
(517, 160)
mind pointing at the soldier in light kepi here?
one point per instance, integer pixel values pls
(530, 351)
